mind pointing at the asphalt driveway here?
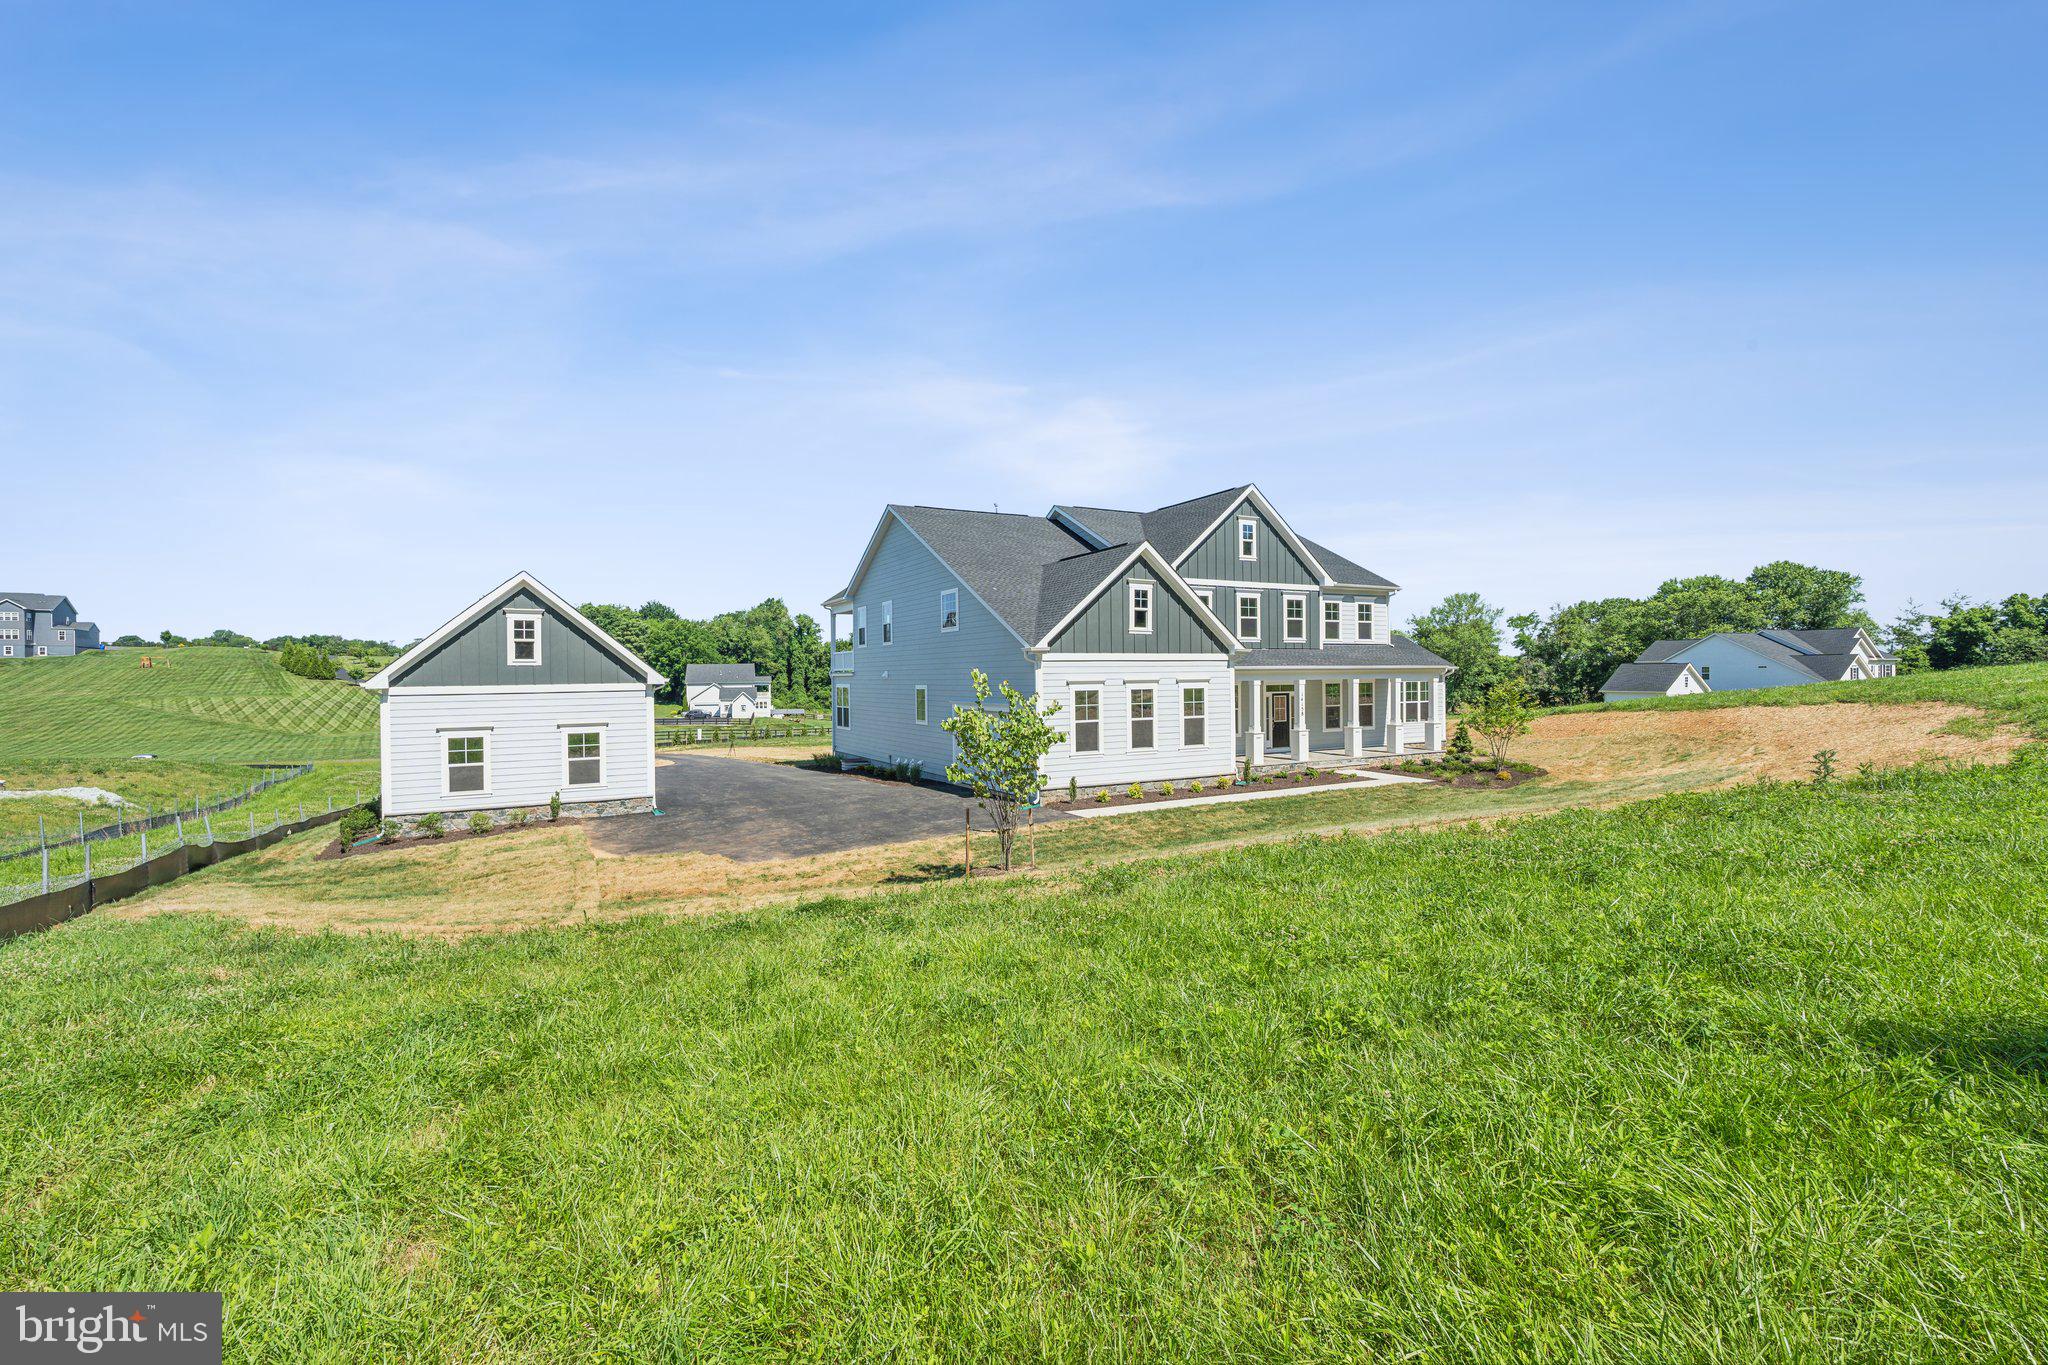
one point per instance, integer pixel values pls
(756, 812)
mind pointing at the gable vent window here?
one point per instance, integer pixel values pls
(1141, 608)
(465, 769)
(1247, 539)
(586, 758)
(1087, 721)
(522, 639)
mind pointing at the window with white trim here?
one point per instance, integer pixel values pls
(1247, 616)
(949, 608)
(1141, 718)
(465, 767)
(522, 638)
(1365, 620)
(1333, 706)
(1087, 721)
(1333, 619)
(1415, 698)
(842, 706)
(1247, 538)
(860, 625)
(917, 703)
(888, 621)
(1207, 597)
(1141, 608)
(585, 757)
(1294, 618)
(1194, 716)
(1365, 690)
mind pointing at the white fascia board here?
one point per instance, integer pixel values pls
(381, 680)
(844, 597)
(1084, 532)
(1175, 583)
(1294, 542)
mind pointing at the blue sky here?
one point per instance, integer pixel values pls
(331, 317)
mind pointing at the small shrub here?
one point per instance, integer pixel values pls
(1823, 767)
(357, 824)
(516, 818)
(1503, 774)
(1073, 789)
(1166, 789)
(1103, 795)
(388, 832)
(1461, 743)
(430, 825)
(479, 823)
(1196, 786)
(555, 806)
(1134, 791)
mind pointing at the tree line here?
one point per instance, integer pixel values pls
(787, 647)
(1566, 654)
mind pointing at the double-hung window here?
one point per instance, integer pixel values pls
(1141, 608)
(888, 621)
(585, 757)
(1294, 618)
(917, 706)
(465, 768)
(1333, 620)
(842, 706)
(1365, 620)
(1333, 706)
(1141, 718)
(1365, 703)
(1194, 716)
(949, 609)
(522, 638)
(1087, 721)
(1247, 616)
(860, 625)
(1247, 539)
(1415, 699)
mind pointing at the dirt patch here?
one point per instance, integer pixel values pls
(1743, 743)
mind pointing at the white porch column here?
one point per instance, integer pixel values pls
(1439, 726)
(1300, 751)
(1255, 697)
(1354, 733)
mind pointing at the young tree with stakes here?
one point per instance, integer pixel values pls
(1502, 716)
(1000, 753)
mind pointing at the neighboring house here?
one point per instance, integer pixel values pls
(1177, 642)
(735, 690)
(1737, 660)
(517, 698)
(36, 625)
(1652, 680)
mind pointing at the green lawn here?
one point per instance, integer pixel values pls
(1761, 1073)
(201, 703)
(2017, 693)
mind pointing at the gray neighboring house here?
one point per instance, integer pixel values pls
(737, 691)
(1178, 642)
(1739, 660)
(36, 625)
(1631, 681)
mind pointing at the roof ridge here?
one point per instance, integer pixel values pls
(1199, 497)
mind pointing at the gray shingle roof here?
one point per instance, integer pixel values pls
(1173, 530)
(1828, 666)
(1641, 677)
(35, 601)
(1003, 558)
(725, 675)
(1401, 652)
(1660, 650)
(1838, 641)
(1344, 570)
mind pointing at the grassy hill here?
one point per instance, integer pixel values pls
(1755, 1073)
(199, 703)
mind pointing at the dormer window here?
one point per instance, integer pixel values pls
(1141, 608)
(522, 638)
(1247, 538)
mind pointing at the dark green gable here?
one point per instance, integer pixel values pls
(1215, 559)
(475, 655)
(1103, 627)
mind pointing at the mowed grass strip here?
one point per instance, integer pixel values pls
(199, 703)
(1750, 1074)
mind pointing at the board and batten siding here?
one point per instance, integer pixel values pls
(475, 655)
(1103, 627)
(1216, 556)
(882, 680)
(526, 745)
(1169, 760)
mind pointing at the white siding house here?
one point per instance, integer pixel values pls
(1632, 681)
(1739, 660)
(517, 699)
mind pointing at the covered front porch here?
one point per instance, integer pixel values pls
(1328, 716)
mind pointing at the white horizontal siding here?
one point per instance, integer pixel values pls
(1117, 763)
(525, 730)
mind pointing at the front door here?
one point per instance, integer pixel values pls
(1280, 727)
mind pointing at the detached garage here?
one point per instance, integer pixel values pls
(516, 700)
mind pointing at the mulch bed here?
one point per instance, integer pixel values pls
(1284, 782)
(1484, 777)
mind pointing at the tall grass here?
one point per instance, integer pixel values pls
(2017, 693)
(1752, 1074)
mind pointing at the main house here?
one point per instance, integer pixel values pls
(35, 625)
(1736, 660)
(515, 700)
(737, 691)
(1178, 642)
